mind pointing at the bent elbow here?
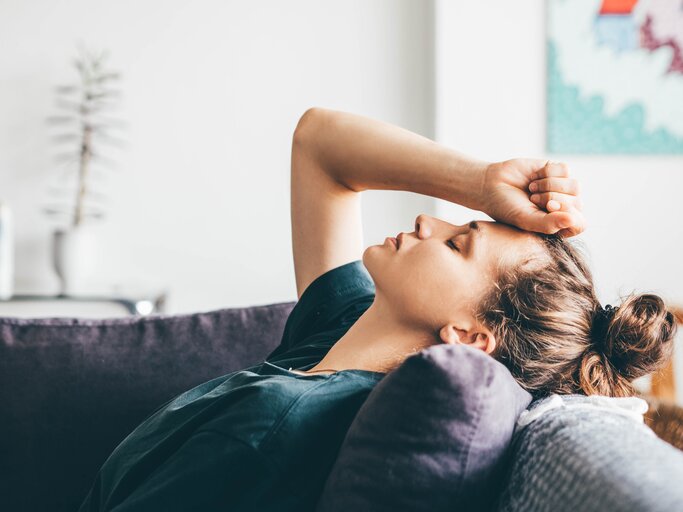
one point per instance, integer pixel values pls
(306, 125)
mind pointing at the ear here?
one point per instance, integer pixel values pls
(450, 334)
(477, 337)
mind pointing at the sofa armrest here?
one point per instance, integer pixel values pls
(590, 460)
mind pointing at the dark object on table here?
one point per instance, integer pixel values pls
(147, 305)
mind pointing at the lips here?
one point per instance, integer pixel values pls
(399, 240)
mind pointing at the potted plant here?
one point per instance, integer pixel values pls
(83, 127)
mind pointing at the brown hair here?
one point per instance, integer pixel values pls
(544, 320)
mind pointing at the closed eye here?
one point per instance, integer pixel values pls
(451, 244)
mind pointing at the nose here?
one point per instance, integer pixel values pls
(424, 226)
(427, 226)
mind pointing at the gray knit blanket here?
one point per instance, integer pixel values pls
(590, 454)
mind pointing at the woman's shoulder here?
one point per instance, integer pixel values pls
(326, 309)
(274, 400)
(310, 406)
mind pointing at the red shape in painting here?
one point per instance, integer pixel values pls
(649, 41)
(617, 6)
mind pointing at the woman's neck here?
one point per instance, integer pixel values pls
(377, 341)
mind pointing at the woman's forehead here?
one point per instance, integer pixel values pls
(512, 243)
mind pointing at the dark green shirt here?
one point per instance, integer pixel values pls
(260, 439)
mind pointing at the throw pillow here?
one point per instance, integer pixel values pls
(432, 435)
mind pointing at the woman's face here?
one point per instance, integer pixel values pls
(440, 272)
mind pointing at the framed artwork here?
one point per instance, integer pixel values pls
(615, 76)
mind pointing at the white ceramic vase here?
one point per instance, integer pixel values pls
(74, 258)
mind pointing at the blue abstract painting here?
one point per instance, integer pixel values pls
(615, 76)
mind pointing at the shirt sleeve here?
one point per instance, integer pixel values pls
(326, 310)
(211, 471)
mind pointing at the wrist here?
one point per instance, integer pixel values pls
(484, 172)
(469, 182)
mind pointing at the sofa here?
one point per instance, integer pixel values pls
(71, 390)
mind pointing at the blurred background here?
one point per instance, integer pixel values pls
(197, 203)
(194, 202)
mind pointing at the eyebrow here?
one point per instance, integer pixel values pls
(475, 232)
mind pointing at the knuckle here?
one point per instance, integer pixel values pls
(542, 172)
(563, 169)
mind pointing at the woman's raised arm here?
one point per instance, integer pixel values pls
(336, 155)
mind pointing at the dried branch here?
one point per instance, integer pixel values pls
(85, 103)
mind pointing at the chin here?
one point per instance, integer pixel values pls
(369, 257)
(373, 260)
(378, 264)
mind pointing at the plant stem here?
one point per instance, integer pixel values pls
(84, 166)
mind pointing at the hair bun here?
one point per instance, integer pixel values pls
(638, 336)
(599, 325)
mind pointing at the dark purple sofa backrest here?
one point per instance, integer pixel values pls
(72, 389)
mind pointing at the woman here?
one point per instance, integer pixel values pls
(266, 437)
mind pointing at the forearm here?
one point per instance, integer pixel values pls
(363, 153)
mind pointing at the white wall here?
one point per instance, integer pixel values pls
(212, 93)
(491, 103)
(490, 98)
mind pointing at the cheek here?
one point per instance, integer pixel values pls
(423, 284)
(441, 278)
(444, 284)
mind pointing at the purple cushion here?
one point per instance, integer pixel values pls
(433, 435)
(71, 389)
